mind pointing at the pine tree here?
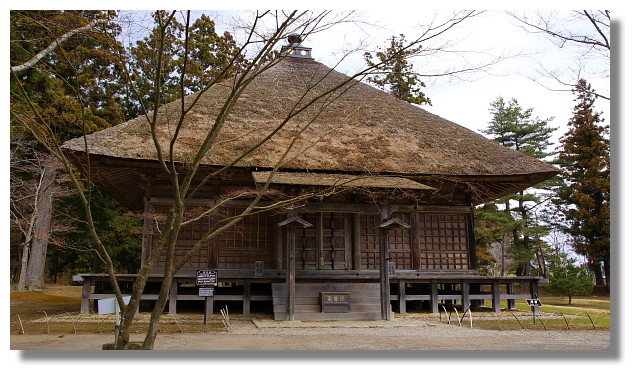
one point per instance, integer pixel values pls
(569, 279)
(166, 36)
(399, 76)
(76, 85)
(209, 56)
(491, 227)
(513, 127)
(74, 88)
(585, 195)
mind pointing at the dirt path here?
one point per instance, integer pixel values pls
(247, 335)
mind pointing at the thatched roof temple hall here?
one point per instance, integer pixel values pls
(397, 235)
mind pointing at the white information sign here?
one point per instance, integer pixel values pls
(108, 305)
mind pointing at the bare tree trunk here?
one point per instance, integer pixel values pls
(155, 320)
(503, 257)
(28, 236)
(41, 230)
(596, 268)
(23, 267)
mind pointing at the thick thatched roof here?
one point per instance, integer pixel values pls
(339, 180)
(363, 130)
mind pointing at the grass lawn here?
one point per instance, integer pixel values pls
(585, 312)
(35, 312)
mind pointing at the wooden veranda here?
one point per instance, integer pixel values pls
(410, 291)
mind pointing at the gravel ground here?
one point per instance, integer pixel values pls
(261, 334)
(406, 335)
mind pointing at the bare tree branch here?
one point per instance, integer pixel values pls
(56, 43)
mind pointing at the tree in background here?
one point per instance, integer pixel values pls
(120, 229)
(209, 57)
(567, 278)
(491, 228)
(585, 196)
(33, 185)
(212, 56)
(397, 74)
(513, 127)
(69, 72)
(80, 85)
(75, 86)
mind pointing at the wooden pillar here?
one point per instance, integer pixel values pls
(320, 240)
(533, 289)
(511, 303)
(402, 296)
(357, 252)
(414, 241)
(247, 297)
(85, 306)
(292, 222)
(434, 297)
(496, 296)
(172, 297)
(290, 273)
(471, 238)
(279, 249)
(477, 289)
(465, 295)
(384, 257)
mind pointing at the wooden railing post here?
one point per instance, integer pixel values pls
(247, 297)
(511, 303)
(434, 297)
(172, 297)
(465, 295)
(402, 296)
(496, 296)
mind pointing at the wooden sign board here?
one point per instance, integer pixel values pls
(260, 268)
(206, 278)
(534, 302)
(333, 302)
(392, 269)
(206, 292)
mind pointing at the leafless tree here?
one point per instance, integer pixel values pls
(33, 185)
(587, 33)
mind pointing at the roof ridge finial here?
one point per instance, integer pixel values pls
(294, 38)
(295, 48)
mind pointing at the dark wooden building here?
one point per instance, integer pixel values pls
(398, 236)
